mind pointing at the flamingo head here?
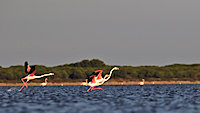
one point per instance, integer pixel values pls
(116, 68)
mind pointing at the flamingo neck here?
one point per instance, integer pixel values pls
(111, 71)
(106, 77)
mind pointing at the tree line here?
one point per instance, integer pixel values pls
(80, 70)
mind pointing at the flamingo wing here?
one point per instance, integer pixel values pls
(93, 80)
(99, 74)
(32, 70)
(90, 78)
(29, 69)
(95, 74)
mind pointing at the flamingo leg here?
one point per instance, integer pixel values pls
(23, 84)
(21, 88)
(89, 89)
(23, 81)
(26, 83)
(92, 88)
(97, 88)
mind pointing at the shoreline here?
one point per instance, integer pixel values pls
(107, 83)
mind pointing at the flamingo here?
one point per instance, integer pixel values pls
(96, 79)
(44, 83)
(141, 83)
(30, 70)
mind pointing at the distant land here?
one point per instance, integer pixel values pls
(77, 72)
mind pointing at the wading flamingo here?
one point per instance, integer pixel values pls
(141, 83)
(96, 79)
(30, 70)
(44, 83)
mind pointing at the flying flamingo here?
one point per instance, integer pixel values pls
(141, 83)
(30, 70)
(96, 79)
(44, 83)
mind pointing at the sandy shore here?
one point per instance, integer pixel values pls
(107, 83)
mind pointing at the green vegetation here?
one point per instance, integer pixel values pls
(80, 70)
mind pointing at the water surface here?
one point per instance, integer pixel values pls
(113, 99)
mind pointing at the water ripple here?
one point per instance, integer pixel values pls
(113, 99)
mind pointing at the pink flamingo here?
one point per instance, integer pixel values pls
(96, 79)
(44, 83)
(142, 82)
(30, 70)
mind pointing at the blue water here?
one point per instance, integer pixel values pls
(113, 99)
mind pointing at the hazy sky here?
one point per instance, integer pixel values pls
(119, 32)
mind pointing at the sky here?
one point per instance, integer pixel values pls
(118, 32)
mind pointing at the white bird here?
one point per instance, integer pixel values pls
(142, 82)
(44, 83)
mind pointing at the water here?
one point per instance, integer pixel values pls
(113, 99)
